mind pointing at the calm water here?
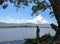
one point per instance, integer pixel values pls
(10, 34)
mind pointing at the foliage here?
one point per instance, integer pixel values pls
(30, 41)
(38, 4)
(44, 39)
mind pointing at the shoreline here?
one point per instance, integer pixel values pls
(21, 27)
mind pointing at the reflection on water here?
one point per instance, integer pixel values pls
(10, 34)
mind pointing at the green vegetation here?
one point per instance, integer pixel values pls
(22, 27)
(30, 41)
(45, 39)
(14, 26)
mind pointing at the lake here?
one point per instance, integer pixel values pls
(11, 34)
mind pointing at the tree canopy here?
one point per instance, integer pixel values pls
(39, 4)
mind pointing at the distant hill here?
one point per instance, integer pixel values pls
(23, 24)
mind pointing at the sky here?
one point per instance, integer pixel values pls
(10, 15)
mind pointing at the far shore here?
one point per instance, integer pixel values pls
(22, 27)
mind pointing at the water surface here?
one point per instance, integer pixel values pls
(10, 34)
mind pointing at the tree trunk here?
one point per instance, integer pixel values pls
(56, 9)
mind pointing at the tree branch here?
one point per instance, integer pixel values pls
(53, 26)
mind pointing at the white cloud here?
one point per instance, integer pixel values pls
(17, 21)
(37, 20)
(40, 19)
(7, 17)
(11, 19)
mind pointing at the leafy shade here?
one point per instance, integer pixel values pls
(39, 5)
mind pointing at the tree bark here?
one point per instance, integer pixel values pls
(56, 9)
